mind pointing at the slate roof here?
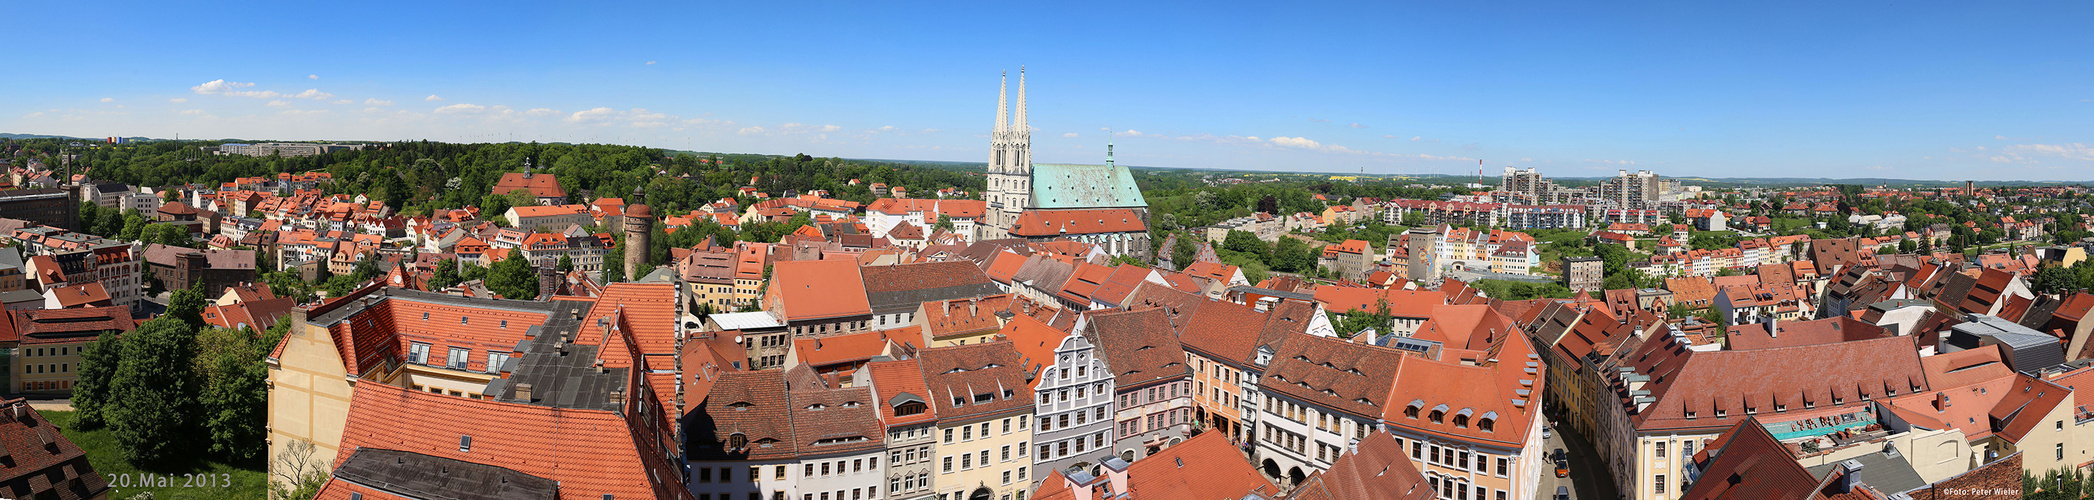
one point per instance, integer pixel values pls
(904, 287)
(1886, 470)
(414, 475)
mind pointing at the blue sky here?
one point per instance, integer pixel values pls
(1862, 89)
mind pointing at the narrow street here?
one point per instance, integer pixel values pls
(1588, 476)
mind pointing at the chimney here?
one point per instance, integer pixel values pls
(1115, 476)
(523, 392)
(617, 397)
(974, 307)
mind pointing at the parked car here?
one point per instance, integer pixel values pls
(1563, 493)
(1563, 468)
(1545, 433)
(1558, 456)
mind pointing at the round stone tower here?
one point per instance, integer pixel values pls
(639, 225)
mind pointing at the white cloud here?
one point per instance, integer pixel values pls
(193, 112)
(279, 104)
(346, 101)
(1296, 142)
(218, 86)
(108, 99)
(432, 98)
(314, 94)
(542, 112)
(33, 115)
(312, 77)
(461, 108)
(1356, 125)
(1320, 120)
(650, 63)
(2073, 151)
(593, 115)
(1071, 135)
(377, 102)
(752, 130)
(1877, 167)
(831, 128)
(178, 100)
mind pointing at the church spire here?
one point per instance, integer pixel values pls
(1020, 125)
(1002, 104)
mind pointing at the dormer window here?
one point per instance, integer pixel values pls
(909, 408)
(1437, 417)
(1690, 415)
(1752, 410)
(1487, 425)
(1719, 413)
(1411, 412)
(1461, 421)
(737, 441)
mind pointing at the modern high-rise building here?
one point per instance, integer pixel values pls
(1637, 191)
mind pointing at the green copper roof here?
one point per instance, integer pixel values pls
(1059, 185)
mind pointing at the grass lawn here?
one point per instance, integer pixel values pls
(247, 482)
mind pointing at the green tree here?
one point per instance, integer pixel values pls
(513, 278)
(446, 275)
(473, 271)
(235, 399)
(187, 305)
(1244, 241)
(614, 272)
(1183, 251)
(493, 206)
(91, 390)
(944, 223)
(134, 224)
(566, 264)
(2056, 280)
(157, 388)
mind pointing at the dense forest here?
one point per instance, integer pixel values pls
(422, 177)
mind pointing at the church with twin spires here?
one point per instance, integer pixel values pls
(1096, 204)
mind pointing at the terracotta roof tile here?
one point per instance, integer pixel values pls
(1141, 346)
(816, 289)
(976, 380)
(1204, 467)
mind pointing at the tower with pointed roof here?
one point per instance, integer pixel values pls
(1010, 163)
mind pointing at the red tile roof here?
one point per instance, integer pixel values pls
(972, 381)
(814, 289)
(1730, 381)
(837, 349)
(1204, 467)
(896, 382)
(1378, 468)
(79, 295)
(1505, 388)
(1141, 346)
(591, 453)
(1048, 223)
(1749, 463)
(1334, 374)
(1965, 367)
(1799, 333)
(540, 185)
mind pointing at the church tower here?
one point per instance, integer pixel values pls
(1010, 164)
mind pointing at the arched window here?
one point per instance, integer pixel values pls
(1411, 412)
(1487, 425)
(1437, 417)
